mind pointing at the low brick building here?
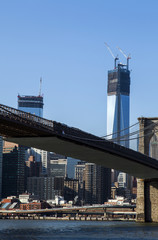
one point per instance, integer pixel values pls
(34, 206)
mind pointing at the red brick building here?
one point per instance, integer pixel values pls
(34, 206)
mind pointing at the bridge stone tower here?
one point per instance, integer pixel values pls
(147, 189)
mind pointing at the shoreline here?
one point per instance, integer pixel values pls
(68, 218)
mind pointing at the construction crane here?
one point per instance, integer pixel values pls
(115, 58)
(127, 57)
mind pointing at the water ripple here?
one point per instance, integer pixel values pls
(77, 230)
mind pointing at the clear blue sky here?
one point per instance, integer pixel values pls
(62, 41)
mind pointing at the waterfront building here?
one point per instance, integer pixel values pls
(34, 206)
(46, 187)
(71, 189)
(59, 186)
(55, 156)
(32, 167)
(13, 169)
(71, 163)
(134, 188)
(58, 170)
(58, 167)
(9, 203)
(122, 179)
(52, 183)
(43, 157)
(97, 184)
(27, 197)
(42, 187)
(79, 175)
(79, 168)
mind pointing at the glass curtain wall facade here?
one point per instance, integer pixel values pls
(31, 104)
(34, 105)
(13, 169)
(118, 104)
(118, 109)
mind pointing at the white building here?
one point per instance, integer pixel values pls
(43, 157)
(27, 197)
(122, 179)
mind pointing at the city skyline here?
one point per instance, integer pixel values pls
(63, 42)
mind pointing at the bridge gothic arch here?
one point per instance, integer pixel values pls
(153, 146)
(148, 134)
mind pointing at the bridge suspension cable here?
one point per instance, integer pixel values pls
(123, 137)
(121, 130)
(112, 140)
(102, 140)
(137, 137)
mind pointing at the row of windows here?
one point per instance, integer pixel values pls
(30, 104)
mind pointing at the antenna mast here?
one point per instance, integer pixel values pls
(115, 58)
(40, 86)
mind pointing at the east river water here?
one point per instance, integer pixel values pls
(68, 230)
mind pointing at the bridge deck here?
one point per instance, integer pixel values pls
(32, 131)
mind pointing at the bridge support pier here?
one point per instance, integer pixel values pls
(147, 200)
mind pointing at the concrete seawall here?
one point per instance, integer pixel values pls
(125, 218)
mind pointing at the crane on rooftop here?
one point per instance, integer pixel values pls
(115, 58)
(127, 57)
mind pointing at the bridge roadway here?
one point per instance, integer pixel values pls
(69, 210)
(32, 131)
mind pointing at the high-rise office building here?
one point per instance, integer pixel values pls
(58, 168)
(79, 175)
(122, 180)
(41, 156)
(71, 163)
(34, 105)
(13, 169)
(42, 187)
(118, 107)
(97, 183)
(71, 189)
(32, 167)
(31, 104)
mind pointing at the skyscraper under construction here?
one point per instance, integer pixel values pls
(34, 105)
(118, 109)
(31, 104)
(118, 103)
